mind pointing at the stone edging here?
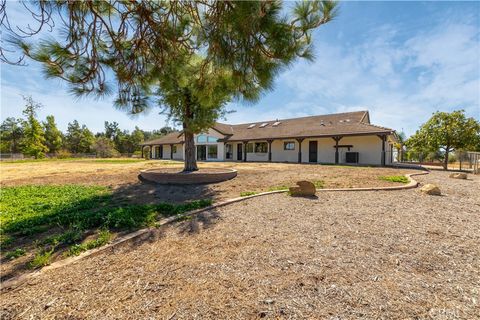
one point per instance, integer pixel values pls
(18, 281)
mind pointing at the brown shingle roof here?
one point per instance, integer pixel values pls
(349, 123)
(170, 138)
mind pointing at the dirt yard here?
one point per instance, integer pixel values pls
(253, 177)
(345, 255)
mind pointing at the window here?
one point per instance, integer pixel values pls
(276, 123)
(212, 152)
(229, 151)
(263, 125)
(174, 149)
(261, 147)
(290, 145)
(211, 139)
(251, 126)
(249, 147)
(202, 138)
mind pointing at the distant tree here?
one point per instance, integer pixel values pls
(104, 148)
(112, 130)
(53, 136)
(33, 143)
(136, 138)
(11, 134)
(78, 138)
(195, 56)
(446, 132)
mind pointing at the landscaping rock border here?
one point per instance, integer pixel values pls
(16, 282)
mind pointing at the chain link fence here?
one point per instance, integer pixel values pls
(458, 160)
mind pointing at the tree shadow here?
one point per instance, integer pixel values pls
(123, 210)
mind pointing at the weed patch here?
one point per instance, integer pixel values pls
(15, 253)
(102, 239)
(399, 179)
(41, 259)
(247, 193)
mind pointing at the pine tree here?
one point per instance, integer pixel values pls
(33, 143)
(193, 57)
(53, 136)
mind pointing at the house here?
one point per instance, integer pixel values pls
(334, 138)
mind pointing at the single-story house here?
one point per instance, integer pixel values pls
(342, 138)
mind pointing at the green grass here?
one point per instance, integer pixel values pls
(319, 184)
(41, 259)
(247, 193)
(400, 179)
(102, 239)
(68, 213)
(15, 253)
(277, 188)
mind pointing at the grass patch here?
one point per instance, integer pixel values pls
(278, 188)
(319, 184)
(68, 213)
(41, 259)
(399, 179)
(102, 239)
(15, 253)
(247, 193)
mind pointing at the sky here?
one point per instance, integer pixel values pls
(402, 61)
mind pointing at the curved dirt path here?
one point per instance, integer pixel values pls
(396, 254)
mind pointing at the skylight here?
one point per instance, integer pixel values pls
(263, 125)
(251, 126)
(276, 123)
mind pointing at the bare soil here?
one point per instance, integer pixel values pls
(254, 177)
(344, 255)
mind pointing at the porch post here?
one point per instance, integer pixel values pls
(299, 150)
(142, 151)
(171, 152)
(245, 151)
(337, 139)
(383, 138)
(151, 152)
(270, 150)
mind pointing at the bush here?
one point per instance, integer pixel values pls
(64, 154)
(105, 148)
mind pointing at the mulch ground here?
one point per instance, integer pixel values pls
(344, 255)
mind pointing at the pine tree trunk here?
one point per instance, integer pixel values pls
(190, 159)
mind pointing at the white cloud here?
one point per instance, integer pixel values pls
(400, 82)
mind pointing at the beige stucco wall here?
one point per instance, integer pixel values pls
(280, 155)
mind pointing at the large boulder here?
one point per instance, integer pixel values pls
(304, 189)
(431, 189)
(457, 175)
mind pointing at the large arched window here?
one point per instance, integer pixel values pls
(204, 139)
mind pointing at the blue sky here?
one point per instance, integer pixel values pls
(402, 61)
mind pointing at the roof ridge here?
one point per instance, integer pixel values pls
(320, 115)
(376, 126)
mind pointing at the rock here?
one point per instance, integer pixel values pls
(431, 189)
(304, 189)
(458, 176)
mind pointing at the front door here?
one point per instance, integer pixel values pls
(202, 152)
(312, 151)
(239, 151)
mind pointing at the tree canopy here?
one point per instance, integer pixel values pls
(34, 138)
(446, 132)
(190, 57)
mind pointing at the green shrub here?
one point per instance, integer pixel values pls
(400, 179)
(41, 259)
(319, 184)
(64, 154)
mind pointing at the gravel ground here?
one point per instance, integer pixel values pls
(345, 255)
